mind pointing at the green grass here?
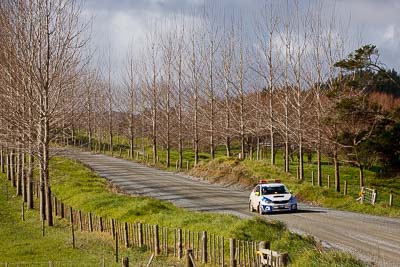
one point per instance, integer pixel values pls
(77, 186)
(22, 241)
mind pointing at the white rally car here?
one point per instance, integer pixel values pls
(267, 197)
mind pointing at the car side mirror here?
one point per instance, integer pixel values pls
(257, 193)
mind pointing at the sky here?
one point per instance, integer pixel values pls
(123, 24)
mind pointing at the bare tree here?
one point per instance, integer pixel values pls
(266, 68)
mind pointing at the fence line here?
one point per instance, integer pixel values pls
(165, 241)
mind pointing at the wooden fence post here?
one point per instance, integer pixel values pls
(90, 222)
(204, 247)
(232, 250)
(125, 262)
(116, 247)
(345, 188)
(179, 243)
(187, 165)
(72, 227)
(283, 259)
(391, 200)
(62, 210)
(156, 240)
(80, 220)
(140, 235)
(189, 258)
(126, 235)
(166, 241)
(101, 224)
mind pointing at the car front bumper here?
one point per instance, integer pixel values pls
(278, 207)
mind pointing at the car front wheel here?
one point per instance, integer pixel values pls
(251, 207)
(260, 210)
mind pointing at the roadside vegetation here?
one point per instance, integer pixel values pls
(249, 172)
(77, 186)
(245, 173)
(22, 241)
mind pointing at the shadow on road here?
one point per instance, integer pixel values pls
(297, 212)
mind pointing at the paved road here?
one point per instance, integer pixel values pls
(371, 238)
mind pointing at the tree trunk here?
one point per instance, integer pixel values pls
(361, 169)
(336, 165)
(286, 154)
(271, 129)
(46, 179)
(12, 169)
(319, 172)
(2, 161)
(132, 145)
(154, 139)
(18, 174)
(168, 130)
(8, 166)
(168, 160)
(111, 141)
(180, 141)
(42, 197)
(301, 162)
(212, 151)
(30, 181)
(23, 177)
(242, 146)
(196, 134)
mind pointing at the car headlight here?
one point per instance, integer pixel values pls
(266, 200)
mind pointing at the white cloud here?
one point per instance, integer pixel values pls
(125, 21)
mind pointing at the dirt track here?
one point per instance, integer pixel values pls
(371, 238)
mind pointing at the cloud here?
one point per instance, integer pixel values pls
(125, 21)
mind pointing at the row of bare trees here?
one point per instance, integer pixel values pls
(218, 79)
(203, 81)
(41, 61)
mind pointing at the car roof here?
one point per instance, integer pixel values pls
(271, 184)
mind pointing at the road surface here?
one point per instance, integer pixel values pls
(371, 238)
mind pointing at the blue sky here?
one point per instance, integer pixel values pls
(120, 23)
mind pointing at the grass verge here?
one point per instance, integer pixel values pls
(77, 186)
(22, 243)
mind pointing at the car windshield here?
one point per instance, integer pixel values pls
(270, 190)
